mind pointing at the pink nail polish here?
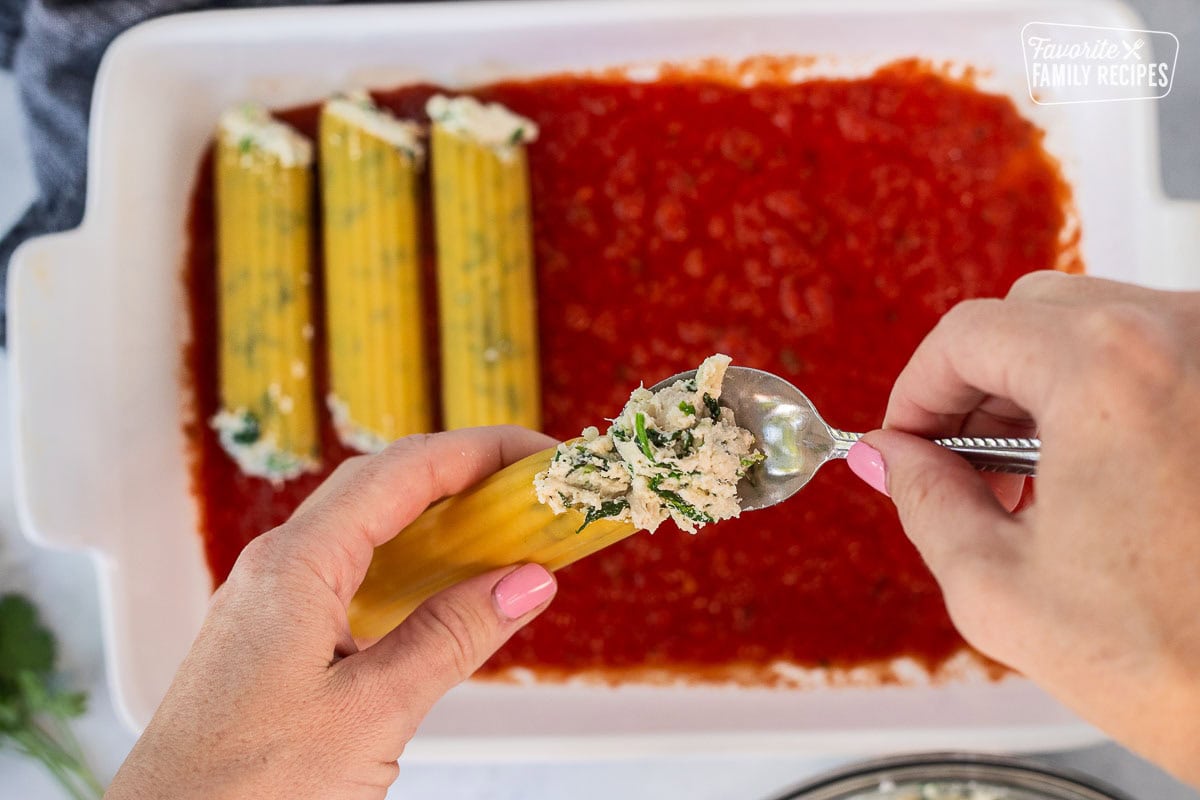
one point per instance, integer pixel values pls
(523, 590)
(866, 462)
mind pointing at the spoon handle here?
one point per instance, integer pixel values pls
(1013, 456)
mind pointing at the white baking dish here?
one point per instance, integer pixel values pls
(97, 320)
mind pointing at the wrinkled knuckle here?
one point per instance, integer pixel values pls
(966, 315)
(349, 465)
(408, 446)
(914, 492)
(456, 628)
(1129, 348)
(262, 555)
(414, 451)
(1040, 285)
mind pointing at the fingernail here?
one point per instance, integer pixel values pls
(523, 590)
(866, 462)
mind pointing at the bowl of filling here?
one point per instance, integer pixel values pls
(952, 776)
(366, 222)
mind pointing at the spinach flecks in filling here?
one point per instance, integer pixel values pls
(749, 462)
(714, 408)
(687, 407)
(609, 508)
(643, 439)
(250, 431)
(658, 438)
(676, 502)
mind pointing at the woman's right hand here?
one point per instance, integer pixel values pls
(1093, 590)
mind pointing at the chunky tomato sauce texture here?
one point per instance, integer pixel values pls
(817, 230)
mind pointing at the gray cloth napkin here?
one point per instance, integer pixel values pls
(54, 47)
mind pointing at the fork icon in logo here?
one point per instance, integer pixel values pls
(1132, 49)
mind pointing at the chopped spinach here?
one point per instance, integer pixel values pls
(676, 502)
(685, 442)
(750, 461)
(250, 430)
(714, 410)
(687, 407)
(658, 438)
(586, 462)
(609, 508)
(639, 427)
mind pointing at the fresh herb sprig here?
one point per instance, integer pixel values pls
(34, 713)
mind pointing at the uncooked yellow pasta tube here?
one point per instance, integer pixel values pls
(487, 309)
(370, 165)
(267, 422)
(496, 523)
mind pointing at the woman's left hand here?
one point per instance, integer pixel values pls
(275, 699)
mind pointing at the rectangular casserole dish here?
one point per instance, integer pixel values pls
(97, 323)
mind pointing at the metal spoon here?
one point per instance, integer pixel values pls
(797, 442)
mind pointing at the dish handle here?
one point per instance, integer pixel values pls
(1175, 253)
(56, 342)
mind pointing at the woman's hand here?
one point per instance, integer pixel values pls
(1093, 591)
(275, 699)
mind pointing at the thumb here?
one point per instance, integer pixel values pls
(947, 508)
(451, 634)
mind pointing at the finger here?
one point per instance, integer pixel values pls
(998, 418)
(947, 510)
(341, 475)
(1061, 288)
(339, 531)
(450, 636)
(980, 349)
(1081, 291)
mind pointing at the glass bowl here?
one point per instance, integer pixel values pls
(952, 776)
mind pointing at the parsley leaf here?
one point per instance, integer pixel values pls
(24, 644)
(33, 710)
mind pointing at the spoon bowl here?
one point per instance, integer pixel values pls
(797, 442)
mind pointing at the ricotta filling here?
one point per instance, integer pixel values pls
(257, 454)
(489, 124)
(676, 453)
(349, 432)
(251, 127)
(358, 109)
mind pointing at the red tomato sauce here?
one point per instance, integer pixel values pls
(816, 230)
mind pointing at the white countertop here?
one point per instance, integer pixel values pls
(64, 587)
